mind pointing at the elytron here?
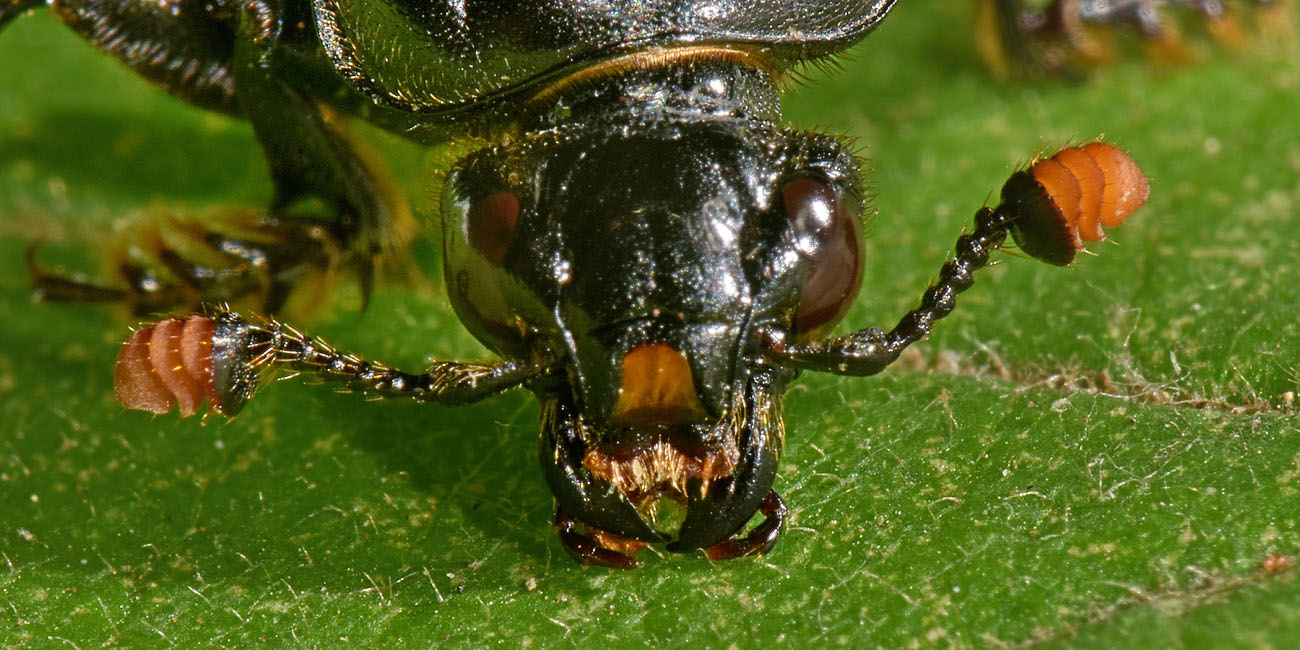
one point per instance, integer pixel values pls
(650, 251)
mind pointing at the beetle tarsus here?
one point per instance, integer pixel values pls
(56, 287)
(761, 539)
(247, 257)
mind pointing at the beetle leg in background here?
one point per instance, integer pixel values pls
(309, 152)
(759, 540)
(1056, 39)
(163, 262)
(244, 59)
(11, 9)
(224, 357)
(67, 288)
(868, 351)
(588, 549)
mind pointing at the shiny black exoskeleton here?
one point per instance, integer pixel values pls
(650, 250)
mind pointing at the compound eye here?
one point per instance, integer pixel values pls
(492, 221)
(826, 236)
(476, 252)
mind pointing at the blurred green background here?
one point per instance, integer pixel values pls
(1101, 456)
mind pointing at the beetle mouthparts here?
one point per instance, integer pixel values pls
(662, 467)
(657, 389)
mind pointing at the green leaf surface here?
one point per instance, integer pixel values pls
(1096, 457)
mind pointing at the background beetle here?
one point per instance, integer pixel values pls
(654, 254)
(1061, 37)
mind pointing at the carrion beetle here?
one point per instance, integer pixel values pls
(642, 241)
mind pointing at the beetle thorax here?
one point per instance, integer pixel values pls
(682, 83)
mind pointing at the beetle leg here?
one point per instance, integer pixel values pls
(64, 288)
(164, 261)
(13, 8)
(759, 540)
(868, 351)
(310, 153)
(586, 549)
(334, 206)
(182, 46)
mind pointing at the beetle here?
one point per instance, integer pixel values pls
(648, 248)
(1059, 37)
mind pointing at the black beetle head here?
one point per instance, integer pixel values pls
(652, 259)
